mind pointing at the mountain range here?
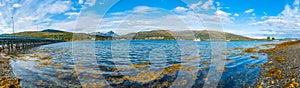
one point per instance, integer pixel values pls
(182, 35)
(143, 35)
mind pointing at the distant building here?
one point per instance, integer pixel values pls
(155, 38)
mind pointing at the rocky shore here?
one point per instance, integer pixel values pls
(6, 79)
(283, 68)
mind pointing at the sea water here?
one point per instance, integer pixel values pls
(139, 63)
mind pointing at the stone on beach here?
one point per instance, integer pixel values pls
(6, 81)
(282, 69)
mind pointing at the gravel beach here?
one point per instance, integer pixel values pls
(283, 68)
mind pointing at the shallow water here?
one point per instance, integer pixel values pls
(137, 63)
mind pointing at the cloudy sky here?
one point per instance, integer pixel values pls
(252, 18)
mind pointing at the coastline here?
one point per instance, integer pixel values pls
(282, 69)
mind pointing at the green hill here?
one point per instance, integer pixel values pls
(36, 34)
(183, 35)
(66, 36)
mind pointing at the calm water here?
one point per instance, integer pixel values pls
(137, 64)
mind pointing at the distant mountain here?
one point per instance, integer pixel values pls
(291, 39)
(144, 35)
(182, 35)
(52, 31)
(97, 33)
(108, 34)
(111, 33)
(207, 34)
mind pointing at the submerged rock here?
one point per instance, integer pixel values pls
(255, 57)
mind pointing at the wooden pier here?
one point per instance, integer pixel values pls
(10, 43)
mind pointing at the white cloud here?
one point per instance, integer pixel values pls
(118, 13)
(72, 14)
(249, 11)
(208, 5)
(16, 5)
(27, 19)
(136, 10)
(218, 4)
(224, 16)
(236, 14)
(180, 9)
(296, 3)
(35, 13)
(90, 2)
(287, 20)
(65, 26)
(80, 1)
(222, 13)
(59, 7)
(196, 5)
(87, 22)
(142, 9)
(101, 3)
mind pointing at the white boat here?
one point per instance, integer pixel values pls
(197, 40)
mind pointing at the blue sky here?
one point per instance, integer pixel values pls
(252, 18)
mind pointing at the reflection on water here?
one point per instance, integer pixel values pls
(135, 64)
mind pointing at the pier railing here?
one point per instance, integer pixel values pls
(17, 42)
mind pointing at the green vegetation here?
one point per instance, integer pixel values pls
(59, 36)
(269, 38)
(273, 38)
(66, 36)
(181, 35)
(154, 35)
(206, 35)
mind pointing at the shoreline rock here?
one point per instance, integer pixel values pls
(6, 80)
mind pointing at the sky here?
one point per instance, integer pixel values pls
(251, 18)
